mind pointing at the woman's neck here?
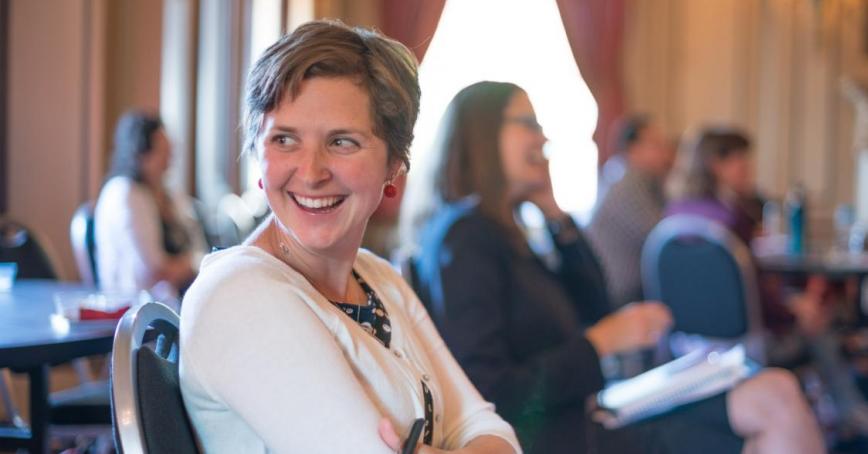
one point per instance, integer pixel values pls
(329, 275)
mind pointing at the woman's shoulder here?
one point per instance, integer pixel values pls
(463, 222)
(120, 184)
(699, 206)
(709, 208)
(122, 198)
(239, 287)
(232, 273)
(123, 190)
(238, 264)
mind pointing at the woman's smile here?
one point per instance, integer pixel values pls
(318, 204)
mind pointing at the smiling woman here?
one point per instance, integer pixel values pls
(323, 171)
(297, 327)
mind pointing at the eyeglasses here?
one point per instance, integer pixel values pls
(528, 121)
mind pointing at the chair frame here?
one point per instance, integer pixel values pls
(128, 339)
(692, 226)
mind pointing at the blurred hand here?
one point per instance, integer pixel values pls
(544, 197)
(635, 326)
(811, 315)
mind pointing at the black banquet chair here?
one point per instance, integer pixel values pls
(705, 275)
(83, 404)
(147, 411)
(20, 244)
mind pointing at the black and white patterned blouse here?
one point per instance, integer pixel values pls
(374, 319)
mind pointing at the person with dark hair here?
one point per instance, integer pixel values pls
(531, 337)
(626, 133)
(632, 206)
(718, 181)
(297, 341)
(147, 238)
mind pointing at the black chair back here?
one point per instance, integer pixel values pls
(19, 244)
(147, 409)
(81, 235)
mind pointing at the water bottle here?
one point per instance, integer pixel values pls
(796, 218)
(772, 218)
(845, 219)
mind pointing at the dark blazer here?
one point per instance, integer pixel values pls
(515, 326)
(517, 329)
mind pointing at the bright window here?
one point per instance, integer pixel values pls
(519, 41)
(264, 31)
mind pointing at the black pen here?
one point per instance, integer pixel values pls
(413, 438)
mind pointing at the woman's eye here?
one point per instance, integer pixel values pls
(283, 141)
(345, 143)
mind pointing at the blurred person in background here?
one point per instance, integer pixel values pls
(632, 206)
(147, 237)
(531, 337)
(718, 184)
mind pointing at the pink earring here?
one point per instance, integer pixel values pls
(390, 190)
(260, 184)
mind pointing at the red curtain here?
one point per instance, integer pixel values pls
(595, 29)
(413, 23)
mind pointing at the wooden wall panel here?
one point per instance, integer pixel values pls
(69, 75)
(772, 67)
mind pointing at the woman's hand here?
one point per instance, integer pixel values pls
(635, 326)
(486, 444)
(544, 198)
(390, 436)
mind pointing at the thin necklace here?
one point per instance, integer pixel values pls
(284, 249)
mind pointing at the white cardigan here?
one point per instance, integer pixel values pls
(269, 365)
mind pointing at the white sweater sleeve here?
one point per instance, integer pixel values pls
(254, 345)
(467, 415)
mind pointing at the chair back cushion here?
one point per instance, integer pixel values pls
(18, 244)
(701, 283)
(148, 413)
(164, 420)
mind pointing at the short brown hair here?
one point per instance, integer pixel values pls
(382, 66)
(711, 145)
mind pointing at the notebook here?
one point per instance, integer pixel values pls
(687, 379)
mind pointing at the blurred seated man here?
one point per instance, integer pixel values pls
(632, 206)
(146, 237)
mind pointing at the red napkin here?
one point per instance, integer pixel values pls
(92, 314)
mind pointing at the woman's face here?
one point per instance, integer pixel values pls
(734, 173)
(521, 148)
(155, 163)
(323, 169)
